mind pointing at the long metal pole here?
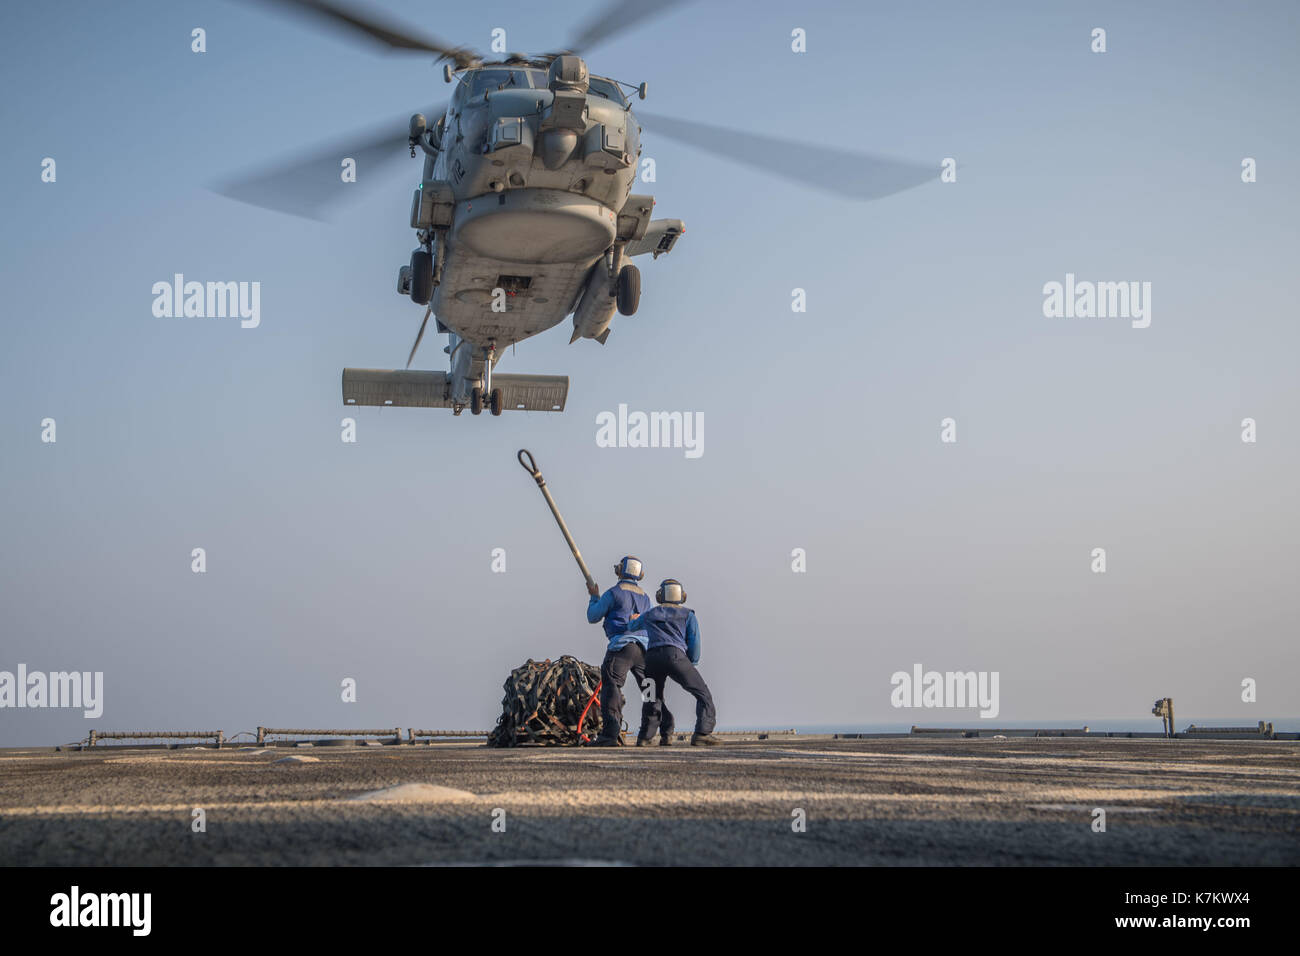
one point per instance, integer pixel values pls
(530, 466)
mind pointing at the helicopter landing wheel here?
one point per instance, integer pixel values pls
(476, 401)
(629, 289)
(496, 401)
(421, 277)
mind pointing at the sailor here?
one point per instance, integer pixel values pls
(626, 651)
(673, 651)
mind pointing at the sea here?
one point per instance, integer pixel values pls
(973, 722)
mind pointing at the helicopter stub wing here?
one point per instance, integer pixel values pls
(532, 393)
(660, 237)
(424, 389)
(375, 386)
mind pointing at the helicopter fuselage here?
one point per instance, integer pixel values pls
(526, 205)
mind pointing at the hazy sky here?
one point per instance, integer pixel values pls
(372, 560)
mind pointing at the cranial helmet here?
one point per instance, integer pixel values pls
(671, 592)
(630, 567)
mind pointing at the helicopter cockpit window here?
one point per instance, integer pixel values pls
(607, 89)
(513, 79)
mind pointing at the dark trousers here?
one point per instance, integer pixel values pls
(662, 663)
(613, 672)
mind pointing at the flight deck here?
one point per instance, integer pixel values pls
(784, 800)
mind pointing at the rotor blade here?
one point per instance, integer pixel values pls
(386, 31)
(304, 184)
(839, 172)
(617, 16)
(411, 358)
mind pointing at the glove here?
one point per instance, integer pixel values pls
(593, 590)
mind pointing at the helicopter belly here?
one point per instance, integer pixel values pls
(534, 296)
(535, 226)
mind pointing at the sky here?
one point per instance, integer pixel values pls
(372, 560)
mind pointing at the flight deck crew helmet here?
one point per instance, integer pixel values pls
(671, 592)
(630, 567)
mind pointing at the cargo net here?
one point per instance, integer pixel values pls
(549, 703)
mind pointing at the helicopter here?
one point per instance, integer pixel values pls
(524, 214)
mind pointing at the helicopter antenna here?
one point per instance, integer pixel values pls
(410, 358)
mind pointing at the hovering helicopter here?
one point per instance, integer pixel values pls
(525, 213)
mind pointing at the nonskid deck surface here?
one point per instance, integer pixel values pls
(883, 801)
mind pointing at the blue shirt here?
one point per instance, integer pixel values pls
(616, 606)
(671, 625)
